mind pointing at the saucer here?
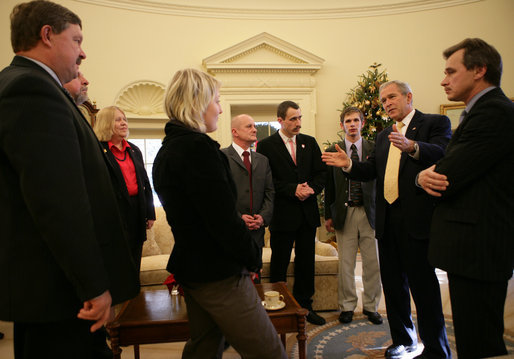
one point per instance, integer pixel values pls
(275, 307)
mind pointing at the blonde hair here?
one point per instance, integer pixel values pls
(104, 122)
(188, 95)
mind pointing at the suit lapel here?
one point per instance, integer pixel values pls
(237, 159)
(282, 150)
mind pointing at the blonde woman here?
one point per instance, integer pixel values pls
(214, 255)
(135, 197)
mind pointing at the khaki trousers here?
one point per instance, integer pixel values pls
(358, 234)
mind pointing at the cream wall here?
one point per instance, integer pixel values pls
(123, 46)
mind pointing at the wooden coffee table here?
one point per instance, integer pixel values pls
(158, 317)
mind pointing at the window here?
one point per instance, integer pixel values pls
(264, 129)
(149, 148)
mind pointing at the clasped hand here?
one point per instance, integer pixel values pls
(98, 309)
(253, 222)
(303, 191)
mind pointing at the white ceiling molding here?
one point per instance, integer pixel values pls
(142, 98)
(280, 10)
(263, 53)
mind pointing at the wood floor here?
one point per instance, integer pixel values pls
(174, 350)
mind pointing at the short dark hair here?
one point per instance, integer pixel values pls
(28, 18)
(351, 109)
(284, 106)
(478, 53)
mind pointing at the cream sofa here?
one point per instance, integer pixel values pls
(159, 244)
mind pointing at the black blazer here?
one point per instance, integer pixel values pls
(337, 190)
(473, 224)
(193, 180)
(61, 237)
(145, 196)
(432, 133)
(262, 188)
(289, 212)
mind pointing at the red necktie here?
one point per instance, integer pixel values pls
(248, 165)
(291, 146)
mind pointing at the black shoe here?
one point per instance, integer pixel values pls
(397, 351)
(314, 318)
(346, 317)
(373, 317)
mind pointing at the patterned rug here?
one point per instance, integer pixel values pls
(360, 339)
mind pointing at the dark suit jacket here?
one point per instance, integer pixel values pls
(61, 237)
(337, 190)
(262, 188)
(289, 212)
(145, 196)
(193, 180)
(432, 132)
(473, 224)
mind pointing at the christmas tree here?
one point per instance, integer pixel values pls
(365, 96)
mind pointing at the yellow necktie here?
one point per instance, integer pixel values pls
(392, 169)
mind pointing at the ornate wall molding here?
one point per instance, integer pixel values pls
(260, 73)
(143, 98)
(273, 10)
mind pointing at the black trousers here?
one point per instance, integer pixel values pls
(55, 340)
(405, 270)
(477, 310)
(281, 245)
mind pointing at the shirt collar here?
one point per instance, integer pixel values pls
(124, 145)
(285, 138)
(357, 144)
(46, 68)
(239, 149)
(406, 120)
(477, 96)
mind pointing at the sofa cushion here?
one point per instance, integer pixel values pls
(150, 247)
(153, 269)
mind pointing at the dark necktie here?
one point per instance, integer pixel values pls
(355, 186)
(248, 165)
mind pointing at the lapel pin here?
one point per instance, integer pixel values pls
(413, 128)
(303, 145)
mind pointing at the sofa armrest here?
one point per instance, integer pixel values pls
(325, 249)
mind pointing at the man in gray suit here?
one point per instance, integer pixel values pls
(350, 211)
(252, 175)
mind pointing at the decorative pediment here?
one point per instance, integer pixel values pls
(263, 53)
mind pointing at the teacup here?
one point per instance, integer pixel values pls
(273, 298)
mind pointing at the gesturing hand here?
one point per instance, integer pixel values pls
(400, 141)
(336, 159)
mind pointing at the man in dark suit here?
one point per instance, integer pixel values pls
(472, 227)
(350, 211)
(63, 254)
(254, 183)
(413, 143)
(298, 176)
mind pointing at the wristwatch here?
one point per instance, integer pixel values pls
(416, 148)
